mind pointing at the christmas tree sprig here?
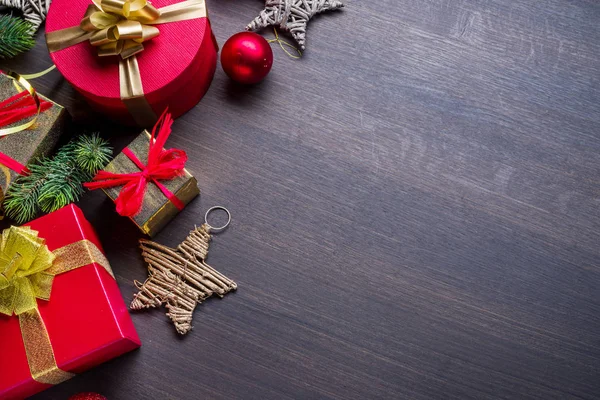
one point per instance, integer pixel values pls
(57, 181)
(15, 36)
(92, 154)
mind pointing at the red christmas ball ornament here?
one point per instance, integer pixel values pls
(247, 57)
(87, 396)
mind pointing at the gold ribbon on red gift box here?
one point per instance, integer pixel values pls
(27, 270)
(120, 27)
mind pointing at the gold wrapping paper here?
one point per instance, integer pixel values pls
(156, 210)
(36, 141)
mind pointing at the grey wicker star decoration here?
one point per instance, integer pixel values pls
(292, 16)
(34, 11)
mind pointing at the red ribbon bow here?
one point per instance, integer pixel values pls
(162, 165)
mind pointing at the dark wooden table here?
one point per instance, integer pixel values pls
(416, 211)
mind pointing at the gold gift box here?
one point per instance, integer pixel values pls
(156, 209)
(37, 141)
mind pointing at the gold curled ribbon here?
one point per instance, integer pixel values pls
(120, 27)
(283, 43)
(39, 74)
(27, 270)
(23, 82)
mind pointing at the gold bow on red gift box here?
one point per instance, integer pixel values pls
(24, 260)
(119, 27)
(27, 270)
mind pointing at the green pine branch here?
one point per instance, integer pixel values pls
(92, 153)
(56, 182)
(63, 184)
(20, 203)
(16, 36)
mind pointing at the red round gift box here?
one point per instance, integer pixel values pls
(176, 67)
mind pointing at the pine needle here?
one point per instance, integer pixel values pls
(92, 153)
(56, 182)
(20, 203)
(15, 36)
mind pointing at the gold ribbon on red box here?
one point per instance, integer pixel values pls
(120, 27)
(27, 270)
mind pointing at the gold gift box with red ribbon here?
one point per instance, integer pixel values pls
(148, 183)
(19, 148)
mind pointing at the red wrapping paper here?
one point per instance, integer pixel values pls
(86, 318)
(176, 67)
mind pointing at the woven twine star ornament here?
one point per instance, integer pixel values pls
(292, 16)
(180, 278)
(34, 11)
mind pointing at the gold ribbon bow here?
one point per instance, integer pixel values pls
(27, 270)
(24, 259)
(119, 27)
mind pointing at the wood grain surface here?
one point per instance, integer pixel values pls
(415, 211)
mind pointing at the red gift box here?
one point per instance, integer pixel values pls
(86, 319)
(176, 67)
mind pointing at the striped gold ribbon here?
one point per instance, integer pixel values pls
(38, 347)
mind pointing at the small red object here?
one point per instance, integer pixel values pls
(162, 164)
(247, 57)
(87, 396)
(13, 164)
(86, 318)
